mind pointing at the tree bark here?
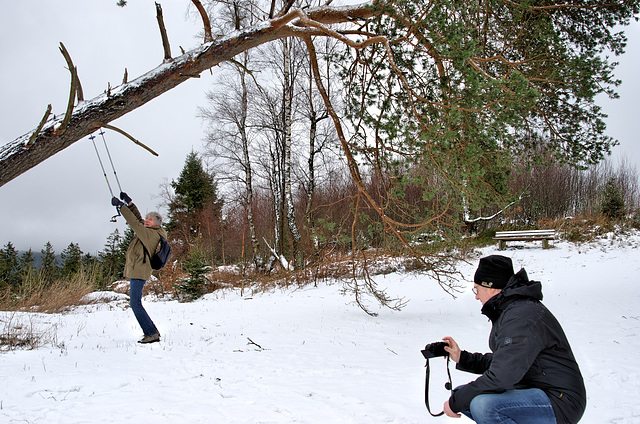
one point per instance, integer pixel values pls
(242, 128)
(287, 99)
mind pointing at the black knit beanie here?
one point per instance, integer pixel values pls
(494, 272)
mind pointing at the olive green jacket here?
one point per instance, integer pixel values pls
(138, 265)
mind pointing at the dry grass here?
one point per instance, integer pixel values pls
(338, 266)
(20, 323)
(19, 330)
(581, 229)
(36, 295)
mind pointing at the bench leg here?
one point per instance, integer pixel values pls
(545, 244)
(502, 244)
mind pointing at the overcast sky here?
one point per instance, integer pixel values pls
(66, 199)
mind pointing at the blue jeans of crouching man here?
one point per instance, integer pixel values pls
(135, 300)
(528, 406)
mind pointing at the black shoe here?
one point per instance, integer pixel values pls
(151, 338)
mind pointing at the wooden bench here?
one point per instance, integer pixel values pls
(527, 235)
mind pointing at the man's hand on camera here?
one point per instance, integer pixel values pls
(452, 348)
(448, 412)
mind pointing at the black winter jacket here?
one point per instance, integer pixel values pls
(529, 350)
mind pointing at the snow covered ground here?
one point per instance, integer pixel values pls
(311, 356)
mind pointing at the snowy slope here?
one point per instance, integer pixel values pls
(311, 356)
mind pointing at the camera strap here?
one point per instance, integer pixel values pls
(447, 385)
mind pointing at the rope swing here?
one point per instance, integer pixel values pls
(115, 174)
(92, 138)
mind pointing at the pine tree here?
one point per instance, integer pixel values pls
(9, 267)
(49, 269)
(93, 271)
(191, 288)
(612, 201)
(89, 261)
(27, 263)
(194, 188)
(194, 212)
(71, 260)
(111, 258)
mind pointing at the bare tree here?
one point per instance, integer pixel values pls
(229, 140)
(314, 114)
(276, 114)
(229, 135)
(271, 157)
(290, 69)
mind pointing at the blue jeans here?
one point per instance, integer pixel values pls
(527, 406)
(135, 300)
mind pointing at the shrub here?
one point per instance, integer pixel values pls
(192, 287)
(612, 201)
(634, 219)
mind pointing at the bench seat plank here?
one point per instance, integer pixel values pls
(526, 235)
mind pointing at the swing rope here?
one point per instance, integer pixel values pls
(109, 154)
(92, 138)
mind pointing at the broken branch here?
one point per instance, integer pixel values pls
(74, 89)
(40, 125)
(116, 129)
(163, 33)
(205, 21)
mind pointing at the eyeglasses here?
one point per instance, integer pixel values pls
(475, 290)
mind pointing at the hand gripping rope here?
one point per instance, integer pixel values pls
(92, 138)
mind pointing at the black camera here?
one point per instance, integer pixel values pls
(433, 350)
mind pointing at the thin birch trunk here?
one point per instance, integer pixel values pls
(287, 120)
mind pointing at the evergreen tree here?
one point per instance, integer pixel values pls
(27, 266)
(612, 201)
(191, 288)
(194, 189)
(112, 258)
(89, 261)
(71, 260)
(27, 261)
(49, 269)
(9, 267)
(194, 212)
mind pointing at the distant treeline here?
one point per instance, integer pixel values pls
(20, 269)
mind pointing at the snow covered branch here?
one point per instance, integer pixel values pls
(469, 221)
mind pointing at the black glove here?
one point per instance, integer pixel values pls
(116, 202)
(124, 196)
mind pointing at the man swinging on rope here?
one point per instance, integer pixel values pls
(138, 262)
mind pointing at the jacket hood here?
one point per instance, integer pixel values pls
(518, 287)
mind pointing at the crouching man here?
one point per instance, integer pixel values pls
(531, 375)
